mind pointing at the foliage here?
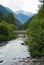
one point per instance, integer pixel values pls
(35, 34)
(41, 11)
(6, 32)
(1, 16)
(7, 27)
(10, 18)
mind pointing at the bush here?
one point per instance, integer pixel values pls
(35, 34)
(6, 31)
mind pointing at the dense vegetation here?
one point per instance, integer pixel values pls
(25, 25)
(7, 26)
(35, 34)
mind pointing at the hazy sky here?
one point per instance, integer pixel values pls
(26, 5)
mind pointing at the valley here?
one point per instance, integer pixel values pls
(22, 36)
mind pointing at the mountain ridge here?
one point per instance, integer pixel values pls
(24, 16)
(6, 11)
(21, 17)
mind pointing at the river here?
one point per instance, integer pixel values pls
(14, 52)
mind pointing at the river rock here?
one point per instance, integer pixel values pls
(1, 61)
(22, 43)
(1, 58)
(21, 60)
(34, 60)
(40, 60)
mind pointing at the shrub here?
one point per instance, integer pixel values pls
(6, 31)
(35, 34)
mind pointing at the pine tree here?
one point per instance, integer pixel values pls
(10, 18)
(1, 17)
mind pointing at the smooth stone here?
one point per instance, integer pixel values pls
(1, 61)
(22, 43)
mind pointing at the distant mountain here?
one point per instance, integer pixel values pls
(21, 17)
(6, 11)
(18, 20)
(26, 25)
(24, 16)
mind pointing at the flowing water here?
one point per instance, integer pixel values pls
(14, 52)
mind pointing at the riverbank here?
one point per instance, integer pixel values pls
(23, 61)
(14, 53)
(3, 43)
(29, 59)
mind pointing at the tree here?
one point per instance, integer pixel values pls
(1, 17)
(35, 34)
(7, 31)
(10, 18)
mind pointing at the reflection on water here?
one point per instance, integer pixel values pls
(13, 51)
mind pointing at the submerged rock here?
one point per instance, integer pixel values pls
(1, 61)
(22, 43)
